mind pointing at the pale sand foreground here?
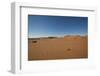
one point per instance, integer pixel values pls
(67, 47)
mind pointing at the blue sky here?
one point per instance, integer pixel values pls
(44, 26)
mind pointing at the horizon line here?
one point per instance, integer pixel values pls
(57, 36)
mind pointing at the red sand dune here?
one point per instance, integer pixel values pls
(67, 47)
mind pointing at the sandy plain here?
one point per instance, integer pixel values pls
(50, 48)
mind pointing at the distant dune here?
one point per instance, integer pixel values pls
(67, 47)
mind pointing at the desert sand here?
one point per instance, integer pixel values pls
(50, 48)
